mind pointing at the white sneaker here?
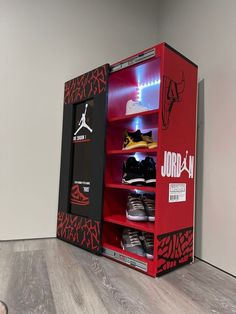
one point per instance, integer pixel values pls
(134, 107)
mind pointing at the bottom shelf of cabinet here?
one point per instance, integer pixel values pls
(132, 260)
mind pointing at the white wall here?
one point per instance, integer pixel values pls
(43, 44)
(204, 30)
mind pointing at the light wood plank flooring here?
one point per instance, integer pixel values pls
(50, 276)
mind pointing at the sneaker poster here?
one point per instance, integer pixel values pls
(88, 148)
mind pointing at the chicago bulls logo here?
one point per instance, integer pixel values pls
(172, 93)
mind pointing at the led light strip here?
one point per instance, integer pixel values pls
(145, 85)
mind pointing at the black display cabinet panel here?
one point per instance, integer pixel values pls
(82, 160)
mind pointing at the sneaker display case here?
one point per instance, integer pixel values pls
(165, 83)
(145, 188)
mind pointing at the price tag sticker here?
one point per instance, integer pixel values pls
(177, 192)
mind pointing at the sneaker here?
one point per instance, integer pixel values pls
(147, 137)
(132, 173)
(77, 197)
(134, 140)
(130, 242)
(149, 205)
(135, 208)
(148, 167)
(147, 240)
(134, 107)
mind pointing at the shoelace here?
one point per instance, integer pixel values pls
(134, 239)
(149, 200)
(135, 167)
(149, 241)
(149, 203)
(136, 203)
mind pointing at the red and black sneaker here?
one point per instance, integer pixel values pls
(78, 198)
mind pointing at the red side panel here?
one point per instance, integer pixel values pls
(176, 160)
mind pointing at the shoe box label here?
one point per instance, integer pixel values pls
(177, 192)
(125, 259)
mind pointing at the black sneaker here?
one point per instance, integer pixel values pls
(148, 167)
(149, 204)
(135, 208)
(132, 173)
(134, 140)
(147, 240)
(131, 242)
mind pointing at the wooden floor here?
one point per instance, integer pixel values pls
(50, 276)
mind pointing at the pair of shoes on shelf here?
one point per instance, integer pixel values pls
(137, 139)
(139, 243)
(141, 207)
(139, 173)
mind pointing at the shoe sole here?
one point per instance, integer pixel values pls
(136, 145)
(149, 256)
(132, 181)
(151, 146)
(132, 218)
(150, 181)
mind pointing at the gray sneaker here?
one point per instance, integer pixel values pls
(149, 204)
(131, 243)
(147, 240)
(135, 208)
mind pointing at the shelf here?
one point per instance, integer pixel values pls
(132, 151)
(141, 120)
(131, 187)
(123, 221)
(128, 254)
(131, 116)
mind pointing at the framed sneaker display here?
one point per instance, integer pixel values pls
(82, 160)
(150, 161)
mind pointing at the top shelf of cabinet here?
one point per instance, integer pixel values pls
(141, 120)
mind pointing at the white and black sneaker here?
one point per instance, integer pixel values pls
(131, 242)
(147, 240)
(135, 208)
(132, 172)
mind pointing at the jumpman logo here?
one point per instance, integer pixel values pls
(82, 123)
(174, 165)
(184, 164)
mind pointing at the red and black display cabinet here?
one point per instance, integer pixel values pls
(91, 190)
